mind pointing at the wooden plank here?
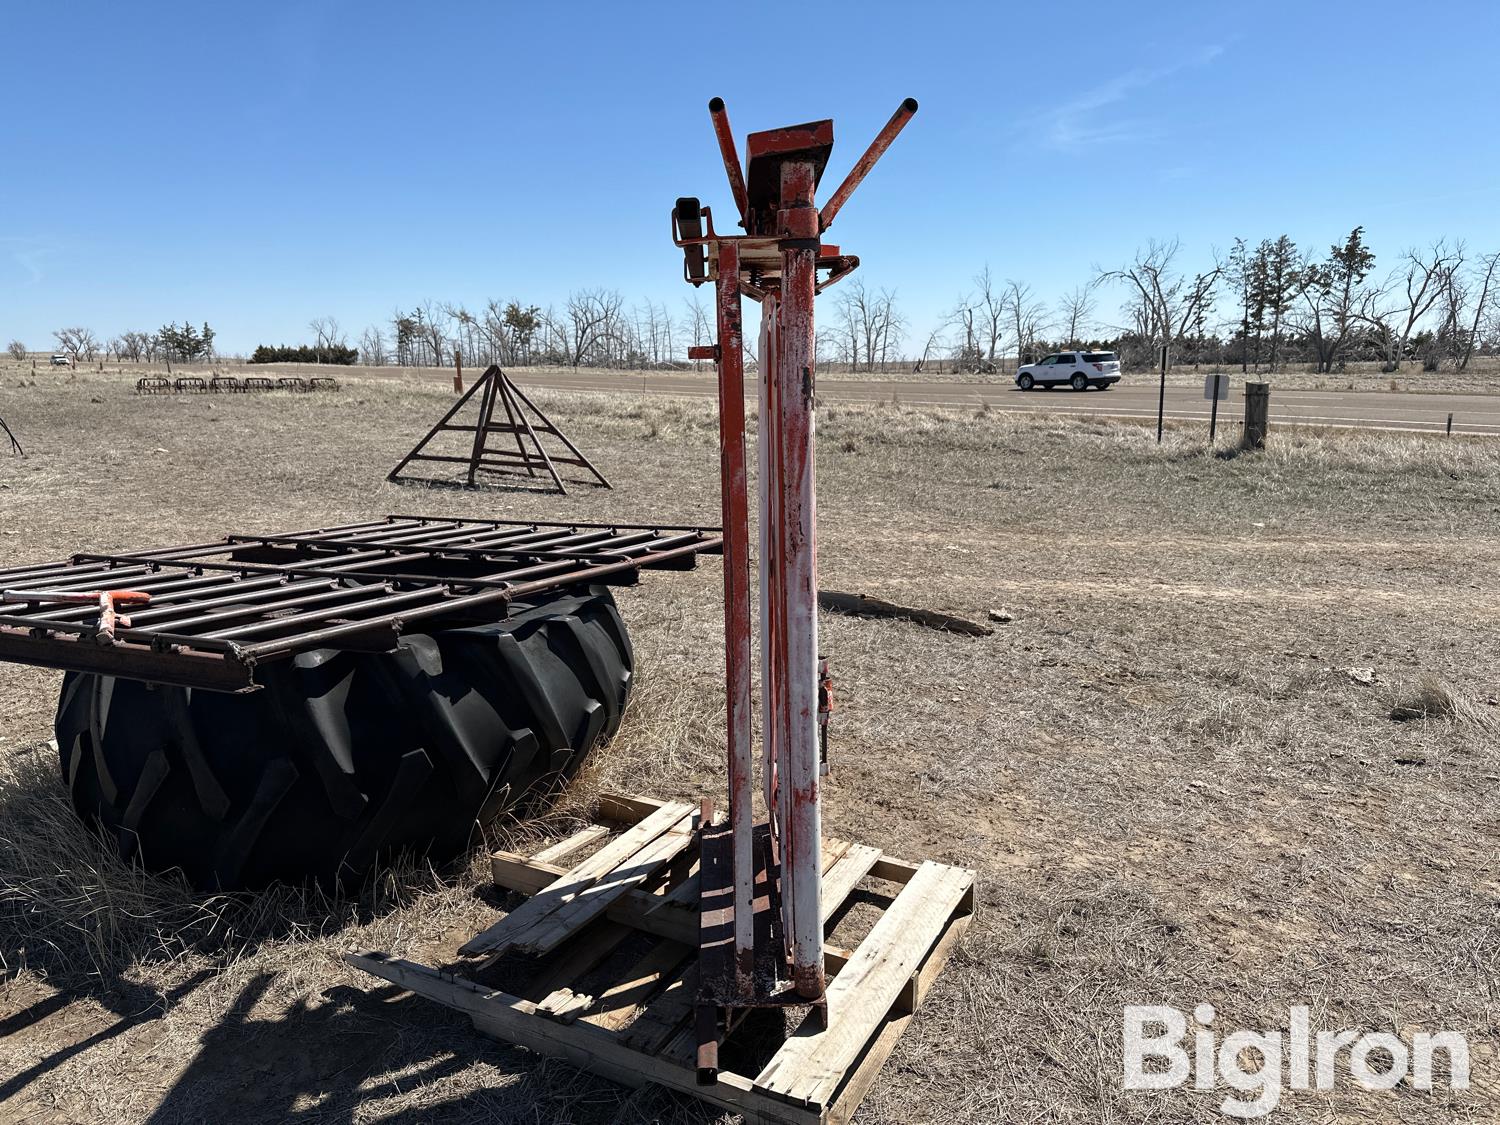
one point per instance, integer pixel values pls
(854, 1091)
(840, 880)
(685, 893)
(894, 870)
(529, 875)
(673, 1007)
(591, 1048)
(553, 928)
(574, 843)
(627, 808)
(522, 873)
(649, 913)
(689, 890)
(834, 849)
(564, 1005)
(585, 953)
(614, 1009)
(927, 975)
(865, 1073)
(535, 913)
(810, 1065)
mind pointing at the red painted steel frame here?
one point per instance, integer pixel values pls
(731, 359)
(796, 657)
(776, 263)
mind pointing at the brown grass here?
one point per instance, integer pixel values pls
(1171, 788)
(1481, 377)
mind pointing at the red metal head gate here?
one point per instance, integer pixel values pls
(762, 915)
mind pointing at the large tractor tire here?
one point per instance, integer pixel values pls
(344, 759)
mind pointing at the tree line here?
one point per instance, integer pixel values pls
(1261, 306)
(183, 343)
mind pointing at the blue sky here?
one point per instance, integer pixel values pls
(256, 165)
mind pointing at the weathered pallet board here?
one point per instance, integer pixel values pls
(628, 1015)
(585, 892)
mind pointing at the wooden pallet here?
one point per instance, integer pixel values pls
(605, 950)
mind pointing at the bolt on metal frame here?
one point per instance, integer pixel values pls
(773, 868)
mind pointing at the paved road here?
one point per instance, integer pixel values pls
(1383, 410)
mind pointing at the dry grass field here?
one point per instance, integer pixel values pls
(1170, 783)
(1481, 377)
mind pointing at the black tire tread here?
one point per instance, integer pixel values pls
(343, 759)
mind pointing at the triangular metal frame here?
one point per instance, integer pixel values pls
(15, 442)
(524, 422)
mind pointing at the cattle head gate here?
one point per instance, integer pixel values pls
(761, 942)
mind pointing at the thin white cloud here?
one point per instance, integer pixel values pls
(29, 254)
(1085, 120)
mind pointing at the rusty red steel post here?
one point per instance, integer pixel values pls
(764, 427)
(801, 835)
(863, 165)
(734, 504)
(731, 156)
(775, 262)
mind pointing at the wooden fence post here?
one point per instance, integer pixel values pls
(1257, 414)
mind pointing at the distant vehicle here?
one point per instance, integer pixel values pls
(1080, 370)
(60, 360)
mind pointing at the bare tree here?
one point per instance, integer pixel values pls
(329, 336)
(1485, 283)
(1026, 317)
(136, 346)
(842, 331)
(78, 343)
(467, 333)
(1165, 304)
(372, 349)
(990, 312)
(17, 349)
(934, 339)
(890, 328)
(432, 332)
(696, 318)
(590, 326)
(1074, 312)
(868, 324)
(964, 318)
(1408, 296)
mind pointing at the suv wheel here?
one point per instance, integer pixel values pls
(1026, 382)
(1080, 381)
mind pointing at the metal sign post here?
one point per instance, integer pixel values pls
(761, 933)
(1215, 387)
(1161, 397)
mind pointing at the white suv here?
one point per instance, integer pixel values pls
(1080, 370)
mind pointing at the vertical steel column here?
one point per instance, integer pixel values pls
(736, 518)
(797, 225)
(765, 428)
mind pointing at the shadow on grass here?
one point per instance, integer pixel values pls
(332, 1060)
(488, 483)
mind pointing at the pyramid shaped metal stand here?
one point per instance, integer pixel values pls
(523, 424)
(15, 445)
